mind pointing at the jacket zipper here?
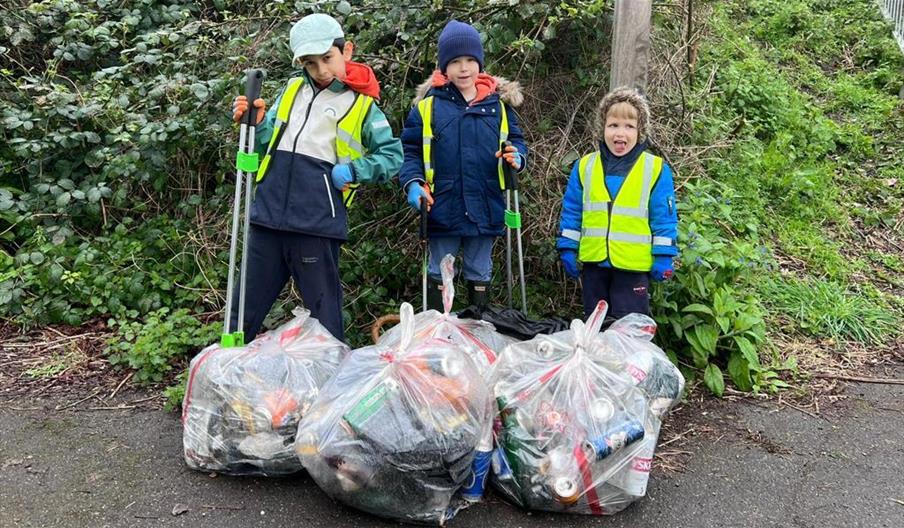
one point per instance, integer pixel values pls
(307, 114)
(329, 195)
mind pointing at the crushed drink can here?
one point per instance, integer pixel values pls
(634, 476)
(473, 488)
(449, 367)
(615, 438)
(565, 490)
(601, 410)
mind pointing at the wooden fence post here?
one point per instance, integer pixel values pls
(631, 43)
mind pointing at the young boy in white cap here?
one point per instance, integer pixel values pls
(323, 137)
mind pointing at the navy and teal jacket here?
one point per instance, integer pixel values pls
(466, 193)
(297, 193)
(663, 210)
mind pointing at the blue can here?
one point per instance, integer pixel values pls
(472, 491)
(622, 434)
(501, 466)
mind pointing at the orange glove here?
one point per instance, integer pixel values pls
(511, 156)
(240, 106)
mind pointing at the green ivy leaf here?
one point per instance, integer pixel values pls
(200, 90)
(714, 380)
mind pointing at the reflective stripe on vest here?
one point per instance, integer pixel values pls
(425, 109)
(348, 132)
(619, 230)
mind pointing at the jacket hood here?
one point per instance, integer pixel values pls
(509, 91)
(360, 78)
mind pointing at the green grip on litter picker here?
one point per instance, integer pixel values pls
(235, 339)
(512, 219)
(246, 161)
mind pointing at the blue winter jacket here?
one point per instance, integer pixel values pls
(663, 211)
(466, 193)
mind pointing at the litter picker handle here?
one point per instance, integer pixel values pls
(253, 80)
(423, 228)
(511, 177)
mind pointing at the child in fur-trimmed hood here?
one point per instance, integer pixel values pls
(467, 111)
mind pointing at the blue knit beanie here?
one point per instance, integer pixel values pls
(456, 40)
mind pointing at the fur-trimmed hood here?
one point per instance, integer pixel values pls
(624, 94)
(509, 91)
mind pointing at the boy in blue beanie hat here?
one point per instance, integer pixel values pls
(453, 158)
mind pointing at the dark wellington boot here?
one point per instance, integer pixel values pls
(434, 294)
(477, 294)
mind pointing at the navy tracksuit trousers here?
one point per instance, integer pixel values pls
(625, 291)
(311, 261)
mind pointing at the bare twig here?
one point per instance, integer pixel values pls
(860, 379)
(61, 407)
(677, 437)
(121, 383)
(212, 507)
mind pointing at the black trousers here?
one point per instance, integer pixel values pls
(311, 261)
(625, 291)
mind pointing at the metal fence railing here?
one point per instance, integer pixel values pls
(894, 12)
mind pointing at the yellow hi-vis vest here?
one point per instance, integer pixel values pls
(425, 109)
(620, 229)
(348, 132)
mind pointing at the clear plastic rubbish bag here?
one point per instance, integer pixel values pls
(576, 429)
(242, 405)
(479, 339)
(395, 431)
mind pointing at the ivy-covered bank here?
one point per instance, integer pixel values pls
(783, 122)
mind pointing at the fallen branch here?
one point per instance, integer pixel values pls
(61, 407)
(859, 379)
(808, 413)
(676, 437)
(121, 383)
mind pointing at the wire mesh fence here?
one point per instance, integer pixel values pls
(894, 12)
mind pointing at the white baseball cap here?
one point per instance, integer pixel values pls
(313, 35)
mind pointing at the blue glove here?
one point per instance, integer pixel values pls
(342, 175)
(570, 263)
(416, 192)
(662, 268)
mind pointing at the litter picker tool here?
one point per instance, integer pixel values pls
(426, 249)
(513, 221)
(246, 165)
